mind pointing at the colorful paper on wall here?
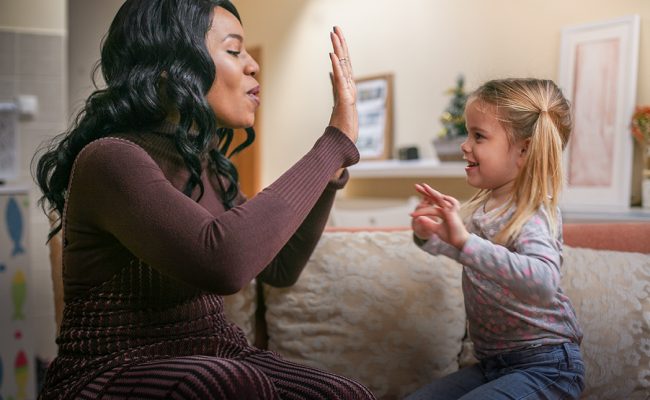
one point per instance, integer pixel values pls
(17, 362)
(14, 221)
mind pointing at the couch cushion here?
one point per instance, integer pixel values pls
(611, 294)
(240, 308)
(373, 307)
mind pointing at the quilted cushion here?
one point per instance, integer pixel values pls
(240, 308)
(373, 307)
(610, 291)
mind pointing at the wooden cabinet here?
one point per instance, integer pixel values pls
(395, 178)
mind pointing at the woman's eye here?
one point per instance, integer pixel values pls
(234, 53)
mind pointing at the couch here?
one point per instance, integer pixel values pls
(372, 306)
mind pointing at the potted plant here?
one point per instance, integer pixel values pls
(641, 131)
(454, 132)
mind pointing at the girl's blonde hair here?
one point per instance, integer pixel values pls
(536, 110)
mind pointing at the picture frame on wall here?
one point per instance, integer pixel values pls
(375, 107)
(598, 75)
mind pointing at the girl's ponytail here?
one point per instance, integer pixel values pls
(540, 179)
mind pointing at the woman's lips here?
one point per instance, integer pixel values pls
(254, 95)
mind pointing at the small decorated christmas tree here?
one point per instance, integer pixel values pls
(447, 143)
(453, 118)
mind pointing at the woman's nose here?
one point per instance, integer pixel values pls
(253, 68)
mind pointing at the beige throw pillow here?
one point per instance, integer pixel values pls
(610, 292)
(240, 308)
(373, 307)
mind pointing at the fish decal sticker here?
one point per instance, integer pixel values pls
(18, 295)
(14, 218)
(21, 373)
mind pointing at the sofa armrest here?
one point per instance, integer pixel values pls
(630, 237)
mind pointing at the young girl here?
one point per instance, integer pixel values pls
(509, 239)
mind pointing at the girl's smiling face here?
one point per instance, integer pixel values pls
(234, 95)
(492, 161)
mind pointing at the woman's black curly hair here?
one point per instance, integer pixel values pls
(154, 59)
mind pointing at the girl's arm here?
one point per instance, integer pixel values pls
(435, 246)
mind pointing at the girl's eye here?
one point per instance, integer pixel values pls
(234, 53)
(478, 135)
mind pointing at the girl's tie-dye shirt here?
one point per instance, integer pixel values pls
(512, 294)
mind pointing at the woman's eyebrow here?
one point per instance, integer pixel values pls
(234, 36)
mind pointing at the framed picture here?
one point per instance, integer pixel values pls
(375, 106)
(598, 74)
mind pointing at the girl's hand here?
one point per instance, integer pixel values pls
(344, 115)
(426, 219)
(439, 215)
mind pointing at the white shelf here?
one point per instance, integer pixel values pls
(429, 167)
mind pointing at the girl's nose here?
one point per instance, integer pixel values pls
(464, 147)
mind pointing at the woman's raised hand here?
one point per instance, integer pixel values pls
(344, 115)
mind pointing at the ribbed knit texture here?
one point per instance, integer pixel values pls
(144, 267)
(316, 166)
(137, 316)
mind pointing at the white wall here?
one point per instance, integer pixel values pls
(33, 15)
(89, 22)
(424, 43)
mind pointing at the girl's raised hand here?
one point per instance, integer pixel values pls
(427, 218)
(441, 217)
(344, 115)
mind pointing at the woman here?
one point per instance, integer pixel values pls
(155, 229)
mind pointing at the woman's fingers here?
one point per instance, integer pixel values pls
(344, 48)
(341, 51)
(344, 115)
(344, 45)
(337, 72)
(340, 55)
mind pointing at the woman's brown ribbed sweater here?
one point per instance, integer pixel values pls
(145, 265)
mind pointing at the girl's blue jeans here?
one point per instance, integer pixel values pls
(545, 372)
